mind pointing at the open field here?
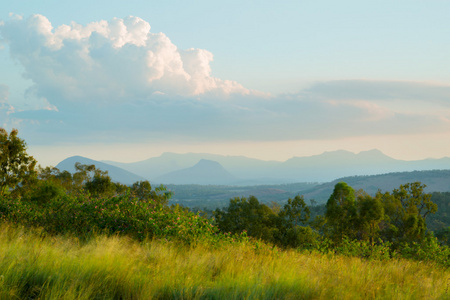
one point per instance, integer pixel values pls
(33, 266)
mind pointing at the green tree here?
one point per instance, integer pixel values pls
(341, 213)
(100, 185)
(295, 212)
(248, 214)
(16, 166)
(93, 180)
(143, 191)
(407, 209)
(370, 216)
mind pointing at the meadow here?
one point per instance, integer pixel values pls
(34, 265)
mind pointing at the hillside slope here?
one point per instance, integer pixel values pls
(117, 174)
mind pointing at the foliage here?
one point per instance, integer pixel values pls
(406, 210)
(243, 214)
(143, 191)
(370, 215)
(341, 212)
(441, 219)
(16, 166)
(82, 216)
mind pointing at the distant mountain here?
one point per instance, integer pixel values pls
(435, 180)
(317, 168)
(204, 172)
(117, 174)
(330, 165)
(239, 166)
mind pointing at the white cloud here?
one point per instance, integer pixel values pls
(109, 61)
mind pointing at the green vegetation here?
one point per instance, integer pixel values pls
(75, 236)
(33, 267)
(210, 197)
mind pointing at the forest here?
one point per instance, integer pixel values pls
(114, 239)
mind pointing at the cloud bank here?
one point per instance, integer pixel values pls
(109, 61)
(117, 81)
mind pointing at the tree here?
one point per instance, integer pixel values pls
(16, 166)
(295, 212)
(248, 214)
(143, 191)
(370, 215)
(341, 214)
(407, 209)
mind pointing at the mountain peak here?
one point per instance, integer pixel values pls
(207, 163)
(205, 171)
(372, 152)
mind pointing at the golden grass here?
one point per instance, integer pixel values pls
(119, 268)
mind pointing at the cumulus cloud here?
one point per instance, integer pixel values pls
(109, 61)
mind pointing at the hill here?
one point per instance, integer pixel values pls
(117, 174)
(435, 180)
(212, 197)
(204, 172)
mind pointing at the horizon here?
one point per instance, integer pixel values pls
(98, 158)
(268, 81)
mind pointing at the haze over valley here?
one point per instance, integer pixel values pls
(225, 177)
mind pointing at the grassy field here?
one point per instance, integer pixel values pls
(33, 266)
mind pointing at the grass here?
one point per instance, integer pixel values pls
(36, 266)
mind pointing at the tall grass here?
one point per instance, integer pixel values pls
(33, 266)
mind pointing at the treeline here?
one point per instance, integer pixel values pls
(396, 217)
(87, 202)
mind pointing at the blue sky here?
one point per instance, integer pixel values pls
(129, 80)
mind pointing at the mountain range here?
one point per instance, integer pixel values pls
(324, 167)
(221, 176)
(203, 168)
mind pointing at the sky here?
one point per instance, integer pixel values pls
(129, 80)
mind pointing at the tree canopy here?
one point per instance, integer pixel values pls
(16, 166)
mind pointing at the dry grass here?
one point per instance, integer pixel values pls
(118, 268)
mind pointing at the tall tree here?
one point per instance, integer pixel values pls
(341, 214)
(16, 166)
(370, 216)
